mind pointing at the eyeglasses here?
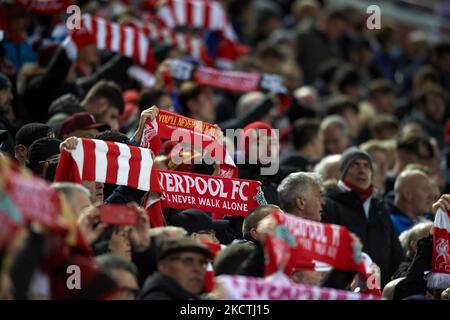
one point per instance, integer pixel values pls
(52, 160)
(189, 261)
(208, 232)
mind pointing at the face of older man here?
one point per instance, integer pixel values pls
(187, 269)
(360, 174)
(96, 189)
(79, 201)
(421, 194)
(314, 203)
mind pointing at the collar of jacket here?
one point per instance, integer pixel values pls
(158, 282)
(349, 197)
(342, 186)
(393, 209)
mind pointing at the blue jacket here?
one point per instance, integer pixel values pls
(400, 220)
(19, 54)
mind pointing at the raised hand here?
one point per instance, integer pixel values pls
(139, 236)
(90, 225)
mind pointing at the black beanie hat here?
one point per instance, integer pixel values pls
(30, 132)
(351, 155)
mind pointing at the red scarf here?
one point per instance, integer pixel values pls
(295, 241)
(111, 162)
(364, 194)
(46, 7)
(198, 14)
(181, 190)
(227, 79)
(35, 200)
(248, 288)
(208, 282)
(440, 263)
(196, 133)
(129, 41)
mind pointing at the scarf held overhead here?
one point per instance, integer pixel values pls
(182, 190)
(198, 14)
(46, 7)
(295, 241)
(440, 264)
(108, 162)
(227, 79)
(248, 288)
(129, 41)
(195, 133)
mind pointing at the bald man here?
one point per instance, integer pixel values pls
(413, 198)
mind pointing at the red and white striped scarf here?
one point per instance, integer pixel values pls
(115, 163)
(440, 264)
(130, 41)
(198, 14)
(108, 162)
(158, 32)
(227, 51)
(249, 288)
(127, 40)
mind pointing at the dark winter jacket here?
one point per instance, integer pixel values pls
(43, 89)
(376, 232)
(161, 287)
(415, 282)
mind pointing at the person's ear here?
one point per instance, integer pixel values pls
(46, 165)
(300, 203)
(254, 233)
(163, 268)
(413, 246)
(194, 235)
(20, 152)
(96, 107)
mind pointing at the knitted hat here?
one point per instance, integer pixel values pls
(351, 155)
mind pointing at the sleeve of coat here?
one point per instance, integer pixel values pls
(397, 255)
(25, 263)
(253, 266)
(415, 282)
(114, 70)
(41, 90)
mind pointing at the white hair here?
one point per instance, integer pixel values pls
(323, 166)
(248, 102)
(67, 188)
(297, 184)
(335, 120)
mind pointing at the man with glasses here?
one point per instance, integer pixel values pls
(123, 272)
(181, 270)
